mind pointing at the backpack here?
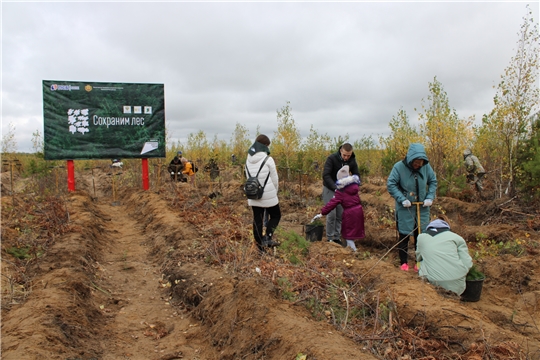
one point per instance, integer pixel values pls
(252, 186)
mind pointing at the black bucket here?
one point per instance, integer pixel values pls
(473, 290)
(313, 232)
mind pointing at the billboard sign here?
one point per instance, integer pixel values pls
(92, 120)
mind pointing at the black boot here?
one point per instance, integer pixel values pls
(268, 242)
(260, 249)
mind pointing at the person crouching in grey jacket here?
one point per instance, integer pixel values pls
(443, 256)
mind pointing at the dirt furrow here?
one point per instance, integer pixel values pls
(134, 296)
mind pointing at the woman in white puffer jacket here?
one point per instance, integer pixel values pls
(269, 201)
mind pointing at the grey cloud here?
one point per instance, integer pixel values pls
(345, 67)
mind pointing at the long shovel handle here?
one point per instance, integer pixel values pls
(418, 203)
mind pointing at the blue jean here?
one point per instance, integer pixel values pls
(333, 219)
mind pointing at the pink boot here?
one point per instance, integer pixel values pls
(404, 267)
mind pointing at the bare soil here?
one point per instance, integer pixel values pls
(171, 273)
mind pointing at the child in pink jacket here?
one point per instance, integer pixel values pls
(352, 221)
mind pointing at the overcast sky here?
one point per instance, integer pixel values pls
(345, 67)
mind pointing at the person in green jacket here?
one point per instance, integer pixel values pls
(412, 180)
(443, 256)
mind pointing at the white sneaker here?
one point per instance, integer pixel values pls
(351, 244)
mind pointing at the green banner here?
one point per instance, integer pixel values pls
(89, 120)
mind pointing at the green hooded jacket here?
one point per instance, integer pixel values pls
(404, 183)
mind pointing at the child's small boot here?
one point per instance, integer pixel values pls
(352, 245)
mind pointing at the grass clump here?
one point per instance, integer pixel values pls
(293, 246)
(21, 253)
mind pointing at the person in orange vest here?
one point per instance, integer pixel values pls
(188, 170)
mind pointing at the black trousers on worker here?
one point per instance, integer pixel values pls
(403, 245)
(274, 215)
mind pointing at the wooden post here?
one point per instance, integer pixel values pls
(11, 165)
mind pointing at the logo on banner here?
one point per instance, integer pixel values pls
(78, 121)
(56, 87)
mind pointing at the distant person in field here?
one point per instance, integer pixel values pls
(116, 163)
(180, 156)
(188, 170)
(267, 207)
(443, 256)
(475, 170)
(213, 168)
(175, 169)
(412, 180)
(346, 195)
(334, 162)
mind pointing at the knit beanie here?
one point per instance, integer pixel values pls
(438, 224)
(343, 172)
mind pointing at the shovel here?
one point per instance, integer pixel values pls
(418, 203)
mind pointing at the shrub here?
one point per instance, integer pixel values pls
(293, 246)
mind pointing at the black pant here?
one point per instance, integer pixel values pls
(274, 215)
(403, 245)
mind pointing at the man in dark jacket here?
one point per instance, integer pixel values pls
(334, 162)
(175, 169)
